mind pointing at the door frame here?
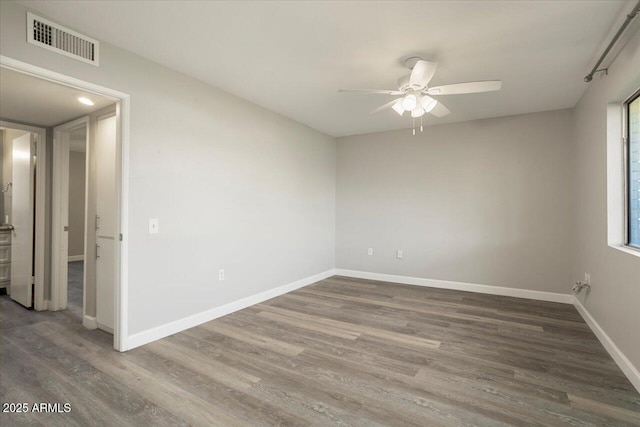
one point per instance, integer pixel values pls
(60, 214)
(123, 112)
(40, 217)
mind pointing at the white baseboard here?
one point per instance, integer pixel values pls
(460, 286)
(89, 322)
(625, 364)
(174, 327)
(73, 258)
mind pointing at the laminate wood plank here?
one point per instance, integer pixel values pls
(339, 352)
(514, 399)
(622, 397)
(30, 384)
(280, 382)
(335, 280)
(357, 329)
(192, 410)
(406, 393)
(243, 354)
(536, 343)
(232, 378)
(261, 341)
(496, 313)
(313, 301)
(92, 394)
(253, 410)
(631, 418)
(378, 403)
(385, 358)
(347, 313)
(443, 314)
(312, 326)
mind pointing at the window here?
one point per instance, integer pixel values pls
(632, 139)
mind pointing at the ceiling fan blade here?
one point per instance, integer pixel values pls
(384, 107)
(469, 87)
(440, 110)
(422, 73)
(375, 91)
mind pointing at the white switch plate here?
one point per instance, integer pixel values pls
(399, 254)
(154, 226)
(587, 278)
(220, 274)
(370, 251)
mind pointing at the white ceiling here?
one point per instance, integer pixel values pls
(292, 57)
(27, 99)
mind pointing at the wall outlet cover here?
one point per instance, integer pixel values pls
(154, 226)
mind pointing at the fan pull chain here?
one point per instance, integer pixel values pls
(421, 124)
(414, 125)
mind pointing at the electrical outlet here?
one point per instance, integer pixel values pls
(220, 274)
(370, 251)
(587, 278)
(399, 254)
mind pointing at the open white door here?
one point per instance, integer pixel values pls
(106, 220)
(22, 217)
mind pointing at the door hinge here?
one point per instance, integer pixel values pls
(33, 280)
(97, 248)
(121, 237)
(97, 222)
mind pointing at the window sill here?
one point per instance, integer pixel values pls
(626, 249)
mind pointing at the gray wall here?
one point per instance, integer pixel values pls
(235, 186)
(614, 300)
(77, 168)
(485, 202)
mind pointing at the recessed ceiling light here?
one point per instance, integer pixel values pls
(85, 101)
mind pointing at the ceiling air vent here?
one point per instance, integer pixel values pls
(57, 38)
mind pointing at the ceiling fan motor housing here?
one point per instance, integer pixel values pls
(405, 87)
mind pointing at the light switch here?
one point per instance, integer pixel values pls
(154, 226)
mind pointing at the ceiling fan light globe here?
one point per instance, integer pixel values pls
(428, 103)
(398, 108)
(417, 112)
(409, 102)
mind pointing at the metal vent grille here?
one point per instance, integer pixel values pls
(54, 37)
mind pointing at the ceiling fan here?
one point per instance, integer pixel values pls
(416, 94)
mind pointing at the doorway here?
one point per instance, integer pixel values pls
(84, 221)
(22, 213)
(76, 219)
(119, 188)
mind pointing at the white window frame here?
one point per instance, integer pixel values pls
(626, 140)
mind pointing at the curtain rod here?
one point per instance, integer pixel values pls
(630, 17)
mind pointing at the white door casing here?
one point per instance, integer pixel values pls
(106, 220)
(22, 217)
(123, 122)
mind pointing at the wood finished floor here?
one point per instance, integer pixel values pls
(342, 351)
